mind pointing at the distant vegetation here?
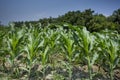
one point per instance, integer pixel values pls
(92, 21)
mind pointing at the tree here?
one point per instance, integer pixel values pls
(115, 18)
(88, 15)
(97, 23)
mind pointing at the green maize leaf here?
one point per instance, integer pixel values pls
(95, 56)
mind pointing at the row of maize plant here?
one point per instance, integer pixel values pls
(32, 52)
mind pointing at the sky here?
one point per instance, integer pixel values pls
(29, 10)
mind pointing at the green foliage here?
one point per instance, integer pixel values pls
(94, 22)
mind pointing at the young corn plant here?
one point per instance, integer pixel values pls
(110, 50)
(44, 59)
(113, 60)
(50, 38)
(13, 40)
(2, 48)
(86, 43)
(68, 47)
(32, 47)
(53, 43)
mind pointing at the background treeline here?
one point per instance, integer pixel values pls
(88, 18)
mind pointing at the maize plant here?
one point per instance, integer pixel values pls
(111, 52)
(54, 45)
(86, 43)
(2, 49)
(44, 58)
(68, 49)
(14, 45)
(32, 46)
(50, 38)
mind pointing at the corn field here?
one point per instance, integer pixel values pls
(37, 53)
